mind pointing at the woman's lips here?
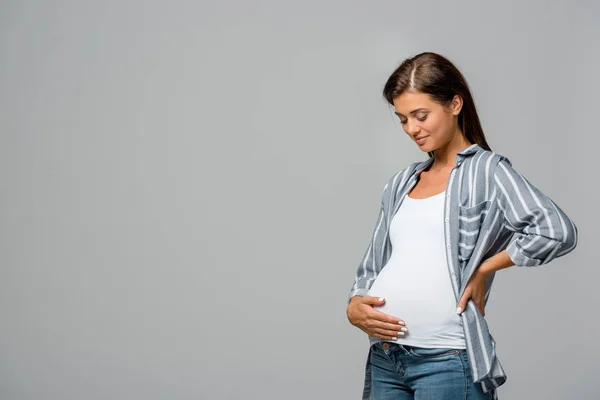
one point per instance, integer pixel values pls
(422, 140)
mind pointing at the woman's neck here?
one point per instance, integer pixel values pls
(445, 157)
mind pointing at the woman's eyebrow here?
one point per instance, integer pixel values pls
(412, 112)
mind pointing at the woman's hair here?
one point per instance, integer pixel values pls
(436, 76)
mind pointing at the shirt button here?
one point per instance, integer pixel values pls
(447, 219)
(448, 246)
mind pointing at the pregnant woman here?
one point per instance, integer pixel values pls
(445, 226)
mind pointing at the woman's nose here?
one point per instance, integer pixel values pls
(412, 128)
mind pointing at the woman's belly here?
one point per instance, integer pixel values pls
(421, 294)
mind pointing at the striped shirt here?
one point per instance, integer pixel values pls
(489, 207)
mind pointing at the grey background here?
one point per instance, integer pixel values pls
(187, 189)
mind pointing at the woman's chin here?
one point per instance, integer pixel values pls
(425, 148)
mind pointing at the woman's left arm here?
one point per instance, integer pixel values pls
(543, 231)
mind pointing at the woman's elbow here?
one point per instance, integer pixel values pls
(570, 238)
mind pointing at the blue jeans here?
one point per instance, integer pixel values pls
(403, 372)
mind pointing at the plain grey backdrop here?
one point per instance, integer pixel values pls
(187, 188)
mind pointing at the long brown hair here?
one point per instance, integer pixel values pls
(436, 76)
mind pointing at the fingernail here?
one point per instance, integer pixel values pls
(381, 299)
(401, 333)
(401, 323)
(458, 310)
(404, 329)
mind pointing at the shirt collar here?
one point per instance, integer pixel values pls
(466, 152)
(472, 149)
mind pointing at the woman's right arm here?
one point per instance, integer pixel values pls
(368, 268)
(360, 310)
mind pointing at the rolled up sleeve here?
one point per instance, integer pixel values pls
(542, 229)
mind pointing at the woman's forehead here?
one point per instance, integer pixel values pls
(411, 102)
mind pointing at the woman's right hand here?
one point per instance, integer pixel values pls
(360, 313)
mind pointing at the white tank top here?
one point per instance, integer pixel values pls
(415, 281)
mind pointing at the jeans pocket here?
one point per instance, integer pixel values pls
(423, 352)
(384, 360)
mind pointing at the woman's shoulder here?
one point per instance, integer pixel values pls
(489, 160)
(402, 175)
(404, 172)
(489, 166)
(483, 153)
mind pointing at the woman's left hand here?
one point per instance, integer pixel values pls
(474, 290)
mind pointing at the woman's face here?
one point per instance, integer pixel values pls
(429, 124)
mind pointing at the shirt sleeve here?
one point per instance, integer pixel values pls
(369, 266)
(543, 231)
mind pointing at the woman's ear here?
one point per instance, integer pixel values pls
(456, 104)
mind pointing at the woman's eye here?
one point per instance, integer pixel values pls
(420, 119)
